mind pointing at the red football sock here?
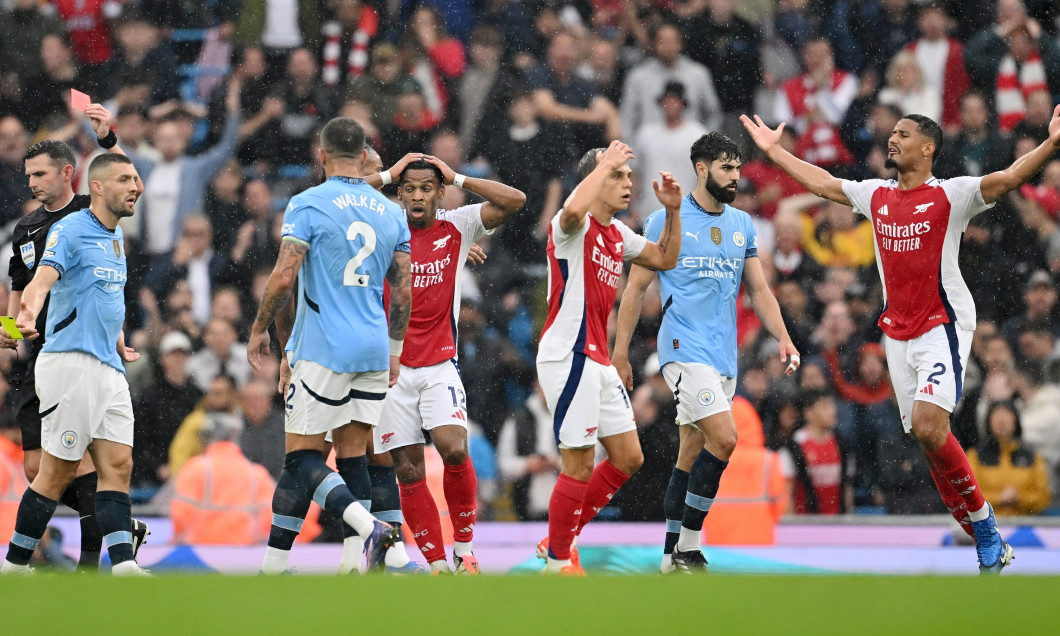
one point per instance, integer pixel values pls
(604, 483)
(954, 502)
(564, 509)
(951, 465)
(461, 495)
(421, 516)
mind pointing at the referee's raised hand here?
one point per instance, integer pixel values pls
(100, 118)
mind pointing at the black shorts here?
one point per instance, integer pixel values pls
(28, 416)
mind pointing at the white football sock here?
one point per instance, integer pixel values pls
(667, 564)
(461, 548)
(358, 518)
(396, 556)
(979, 515)
(553, 566)
(352, 555)
(689, 540)
(441, 565)
(275, 561)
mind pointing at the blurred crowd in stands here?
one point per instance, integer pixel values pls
(218, 102)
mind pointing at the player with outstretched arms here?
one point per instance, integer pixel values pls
(586, 250)
(929, 315)
(429, 394)
(341, 239)
(697, 337)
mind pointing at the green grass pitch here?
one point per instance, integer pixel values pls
(713, 604)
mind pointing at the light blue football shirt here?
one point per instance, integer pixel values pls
(87, 307)
(352, 232)
(699, 295)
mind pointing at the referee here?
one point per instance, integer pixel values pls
(50, 167)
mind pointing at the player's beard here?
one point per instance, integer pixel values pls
(117, 207)
(719, 191)
(890, 164)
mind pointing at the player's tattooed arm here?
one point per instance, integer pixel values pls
(399, 277)
(285, 319)
(277, 294)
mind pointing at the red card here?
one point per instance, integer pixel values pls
(79, 100)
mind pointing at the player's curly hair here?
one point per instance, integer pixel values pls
(60, 153)
(930, 129)
(423, 164)
(713, 146)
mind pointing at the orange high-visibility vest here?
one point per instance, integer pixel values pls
(753, 493)
(222, 498)
(12, 485)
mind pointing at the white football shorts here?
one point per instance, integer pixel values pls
(319, 399)
(699, 391)
(586, 399)
(929, 368)
(422, 399)
(81, 399)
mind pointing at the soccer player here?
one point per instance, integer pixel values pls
(929, 315)
(341, 239)
(81, 382)
(586, 250)
(50, 167)
(429, 394)
(697, 337)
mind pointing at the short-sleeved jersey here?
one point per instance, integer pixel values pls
(27, 247)
(88, 300)
(584, 268)
(438, 257)
(352, 232)
(918, 235)
(699, 296)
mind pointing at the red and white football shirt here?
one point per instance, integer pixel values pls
(583, 273)
(918, 236)
(438, 256)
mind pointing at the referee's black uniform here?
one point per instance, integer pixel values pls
(27, 245)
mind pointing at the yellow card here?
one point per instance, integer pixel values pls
(8, 323)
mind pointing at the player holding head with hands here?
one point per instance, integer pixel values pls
(929, 316)
(429, 394)
(84, 396)
(587, 247)
(697, 337)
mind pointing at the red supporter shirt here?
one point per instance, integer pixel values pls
(825, 466)
(438, 257)
(87, 27)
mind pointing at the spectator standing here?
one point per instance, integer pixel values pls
(640, 95)
(141, 49)
(821, 93)
(221, 397)
(907, 90)
(826, 465)
(662, 146)
(223, 354)
(978, 148)
(728, 45)
(347, 39)
(941, 60)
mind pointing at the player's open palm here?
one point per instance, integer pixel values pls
(669, 193)
(763, 136)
